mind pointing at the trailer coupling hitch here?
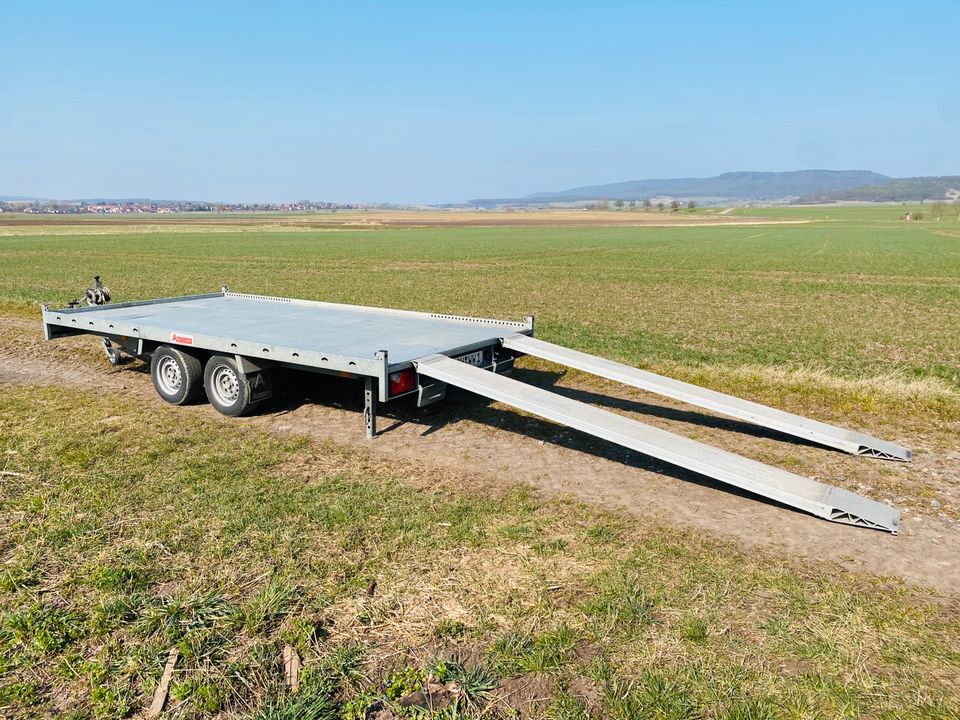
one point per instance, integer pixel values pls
(99, 294)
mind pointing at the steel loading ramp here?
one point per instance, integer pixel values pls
(815, 431)
(824, 501)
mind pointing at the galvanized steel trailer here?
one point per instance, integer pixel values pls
(226, 344)
(249, 335)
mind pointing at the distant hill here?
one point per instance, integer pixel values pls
(900, 190)
(741, 186)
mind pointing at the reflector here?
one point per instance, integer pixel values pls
(402, 382)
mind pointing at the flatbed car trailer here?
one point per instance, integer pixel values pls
(226, 344)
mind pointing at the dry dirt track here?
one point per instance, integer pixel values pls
(407, 219)
(497, 445)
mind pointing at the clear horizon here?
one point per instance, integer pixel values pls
(431, 103)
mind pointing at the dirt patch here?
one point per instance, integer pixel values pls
(426, 218)
(525, 694)
(486, 443)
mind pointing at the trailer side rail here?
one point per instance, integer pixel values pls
(525, 325)
(86, 321)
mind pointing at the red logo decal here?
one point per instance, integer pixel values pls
(182, 339)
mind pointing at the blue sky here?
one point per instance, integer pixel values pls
(446, 101)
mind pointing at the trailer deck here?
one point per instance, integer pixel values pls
(299, 332)
(227, 344)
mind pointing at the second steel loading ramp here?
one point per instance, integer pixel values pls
(850, 441)
(816, 498)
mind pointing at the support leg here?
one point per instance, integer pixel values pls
(370, 406)
(113, 354)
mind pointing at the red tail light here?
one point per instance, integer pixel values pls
(402, 382)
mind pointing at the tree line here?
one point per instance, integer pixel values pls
(647, 204)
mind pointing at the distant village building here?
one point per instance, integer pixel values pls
(125, 207)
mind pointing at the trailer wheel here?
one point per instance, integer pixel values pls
(177, 375)
(228, 389)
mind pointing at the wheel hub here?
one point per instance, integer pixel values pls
(226, 385)
(169, 376)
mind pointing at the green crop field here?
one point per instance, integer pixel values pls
(855, 298)
(129, 528)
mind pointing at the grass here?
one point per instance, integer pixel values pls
(127, 531)
(856, 298)
(854, 213)
(851, 313)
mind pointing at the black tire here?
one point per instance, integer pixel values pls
(177, 375)
(228, 389)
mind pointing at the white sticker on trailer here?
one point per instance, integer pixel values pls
(181, 338)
